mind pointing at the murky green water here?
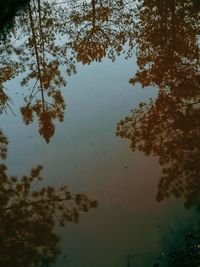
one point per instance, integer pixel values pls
(101, 97)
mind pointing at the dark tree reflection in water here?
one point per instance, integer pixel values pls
(184, 249)
(39, 56)
(42, 49)
(42, 56)
(30, 213)
(91, 31)
(169, 127)
(3, 145)
(100, 29)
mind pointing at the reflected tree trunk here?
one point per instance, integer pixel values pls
(36, 53)
(94, 13)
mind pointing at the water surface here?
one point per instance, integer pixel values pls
(101, 97)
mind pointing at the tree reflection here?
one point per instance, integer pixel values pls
(29, 215)
(101, 28)
(169, 127)
(3, 145)
(89, 30)
(6, 74)
(39, 56)
(44, 70)
(28, 218)
(8, 10)
(185, 249)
